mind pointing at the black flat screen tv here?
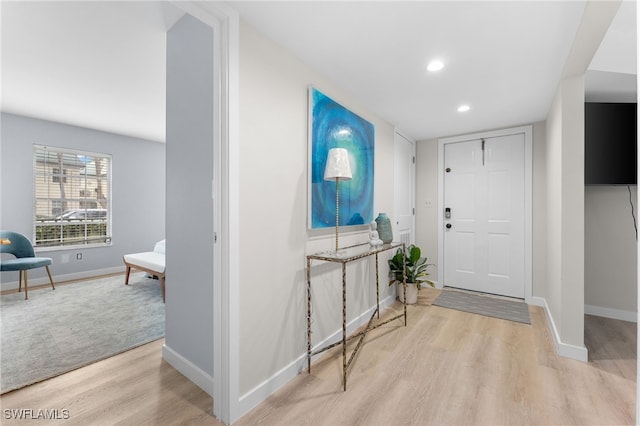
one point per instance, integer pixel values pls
(610, 133)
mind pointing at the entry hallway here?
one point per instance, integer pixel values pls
(446, 368)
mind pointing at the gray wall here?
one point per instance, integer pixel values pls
(610, 282)
(189, 310)
(138, 193)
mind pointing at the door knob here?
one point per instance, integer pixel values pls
(448, 225)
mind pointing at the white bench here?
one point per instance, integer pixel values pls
(152, 262)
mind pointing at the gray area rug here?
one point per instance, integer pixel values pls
(484, 305)
(56, 331)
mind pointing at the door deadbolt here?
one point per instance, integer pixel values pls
(448, 226)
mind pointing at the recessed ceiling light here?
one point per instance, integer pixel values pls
(435, 66)
(464, 108)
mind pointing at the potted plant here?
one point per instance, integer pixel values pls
(416, 272)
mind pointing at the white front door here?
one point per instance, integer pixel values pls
(484, 215)
(403, 193)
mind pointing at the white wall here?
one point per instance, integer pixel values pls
(539, 249)
(564, 292)
(572, 275)
(189, 310)
(427, 200)
(138, 191)
(273, 220)
(553, 150)
(610, 252)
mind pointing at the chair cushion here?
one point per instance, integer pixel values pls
(160, 247)
(24, 263)
(148, 259)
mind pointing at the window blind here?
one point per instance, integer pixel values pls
(72, 197)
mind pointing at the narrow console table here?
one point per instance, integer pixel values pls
(345, 256)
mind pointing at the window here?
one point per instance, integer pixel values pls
(56, 175)
(56, 207)
(73, 207)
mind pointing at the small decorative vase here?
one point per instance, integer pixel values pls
(384, 228)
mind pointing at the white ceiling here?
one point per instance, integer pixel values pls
(102, 64)
(612, 72)
(93, 64)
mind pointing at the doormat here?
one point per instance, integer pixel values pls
(484, 305)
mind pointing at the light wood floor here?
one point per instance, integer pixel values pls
(446, 368)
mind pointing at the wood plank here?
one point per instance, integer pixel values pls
(446, 367)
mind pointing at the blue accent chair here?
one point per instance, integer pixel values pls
(25, 258)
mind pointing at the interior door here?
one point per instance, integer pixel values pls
(484, 202)
(404, 193)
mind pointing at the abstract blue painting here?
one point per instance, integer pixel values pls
(333, 126)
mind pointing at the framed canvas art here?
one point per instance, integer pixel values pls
(333, 126)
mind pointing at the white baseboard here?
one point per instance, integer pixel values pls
(567, 350)
(261, 392)
(617, 314)
(13, 285)
(192, 372)
(255, 396)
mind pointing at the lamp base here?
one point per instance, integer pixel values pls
(337, 212)
(340, 252)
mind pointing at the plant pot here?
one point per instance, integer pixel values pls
(412, 293)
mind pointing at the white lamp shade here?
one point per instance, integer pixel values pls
(338, 167)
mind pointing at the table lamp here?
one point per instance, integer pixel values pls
(337, 169)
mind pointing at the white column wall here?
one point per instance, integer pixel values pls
(274, 238)
(572, 214)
